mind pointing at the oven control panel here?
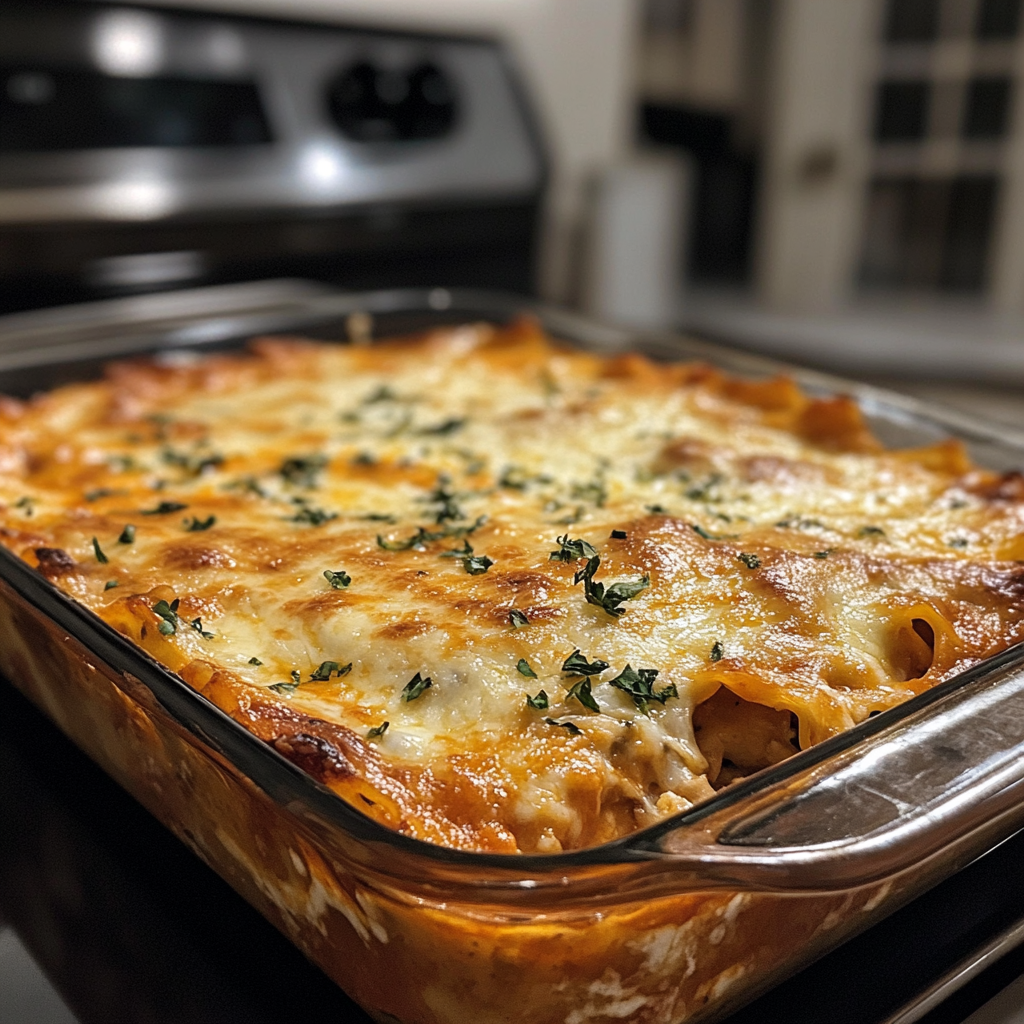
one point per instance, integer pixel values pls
(112, 113)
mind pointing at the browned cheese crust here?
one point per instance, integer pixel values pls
(583, 592)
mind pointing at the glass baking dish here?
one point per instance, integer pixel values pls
(683, 921)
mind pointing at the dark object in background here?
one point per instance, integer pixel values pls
(128, 923)
(145, 149)
(988, 108)
(901, 111)
(929, 233)
(912, 21)
(998, 19)
(722, 210)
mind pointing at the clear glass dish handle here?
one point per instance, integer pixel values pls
(947, 782)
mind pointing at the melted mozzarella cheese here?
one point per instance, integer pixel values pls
(765, 542)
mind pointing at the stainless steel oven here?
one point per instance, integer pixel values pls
(145, 148)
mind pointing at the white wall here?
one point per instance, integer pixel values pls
(575, 54)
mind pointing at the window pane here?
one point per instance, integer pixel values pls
(912, 21)
(988, 108)
(998, 19)
(902, 111)
(968, 232)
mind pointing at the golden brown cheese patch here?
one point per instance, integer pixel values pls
(503, 595)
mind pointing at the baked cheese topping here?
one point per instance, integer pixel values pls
(504, 596)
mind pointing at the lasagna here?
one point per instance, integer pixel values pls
(505, 596)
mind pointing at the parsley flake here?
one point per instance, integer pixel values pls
(524, 669)
(127, 535)
(197, 525)
(750, 560)
(422, 537)
(569, 727)
(255, 661)
(312, 516)
(197, 625)
(581, 691)
(477, 565)
(111, 584)
(577, 665)
(717, 650)
(619, 534)
(871, 531)
(442, 429)
(303, 470)
(572, 550)
(165, 508)
(328, 669)
(608, 598)
(518, 619)
(539, 703)
(338, 579)
(639, 684)
(100, 492)
(464, 552)
(284, 688)
(100, 557)
(27, 503)
(415, 687)
(169, 614)
(377, 731)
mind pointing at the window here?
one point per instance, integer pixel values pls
(929, 233)
(901, 114)
(987, 109)
(912, 21)
(998, 19)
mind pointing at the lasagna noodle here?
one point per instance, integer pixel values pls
(505, 596)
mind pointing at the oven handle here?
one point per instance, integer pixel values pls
(944, 784)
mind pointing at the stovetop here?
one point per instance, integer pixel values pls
(105, 916)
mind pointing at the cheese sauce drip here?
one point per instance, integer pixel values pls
(504, 596)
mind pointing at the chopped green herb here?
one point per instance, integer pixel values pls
(296, 676)
(706, 534)
(165, 508)
(27, 503)
(364, 459)
(303, 470)
(608, 598)
(378, 517)
(464, 552)
(328, 669)
(799, 523)
(195, 464)
(717, 650)
(255, 661)
(338, 579)
(100, 557)
(595, 492)
(957, 542)
(518, 619)
(477, 565)
(196, 525)
(422, 537)
(377, 731)
(169, 614)
(312, 516)
(570, 727)
(572, 550)
(442, 429)
(619, 535)
(513, 479)
(100, 492)
(449, 509)
(111, 584)
(415, 687)
(284, 688)
(750, 560)
(705, 491)
(577, 665)
(581, 691)
(656, 510)
(824, 554)
(127, 535)
(247, 483)
(121, 463)
(382, 394)
(871, 531)
(540, 702)
(524, 669)
(197, 625)
(639, 684)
